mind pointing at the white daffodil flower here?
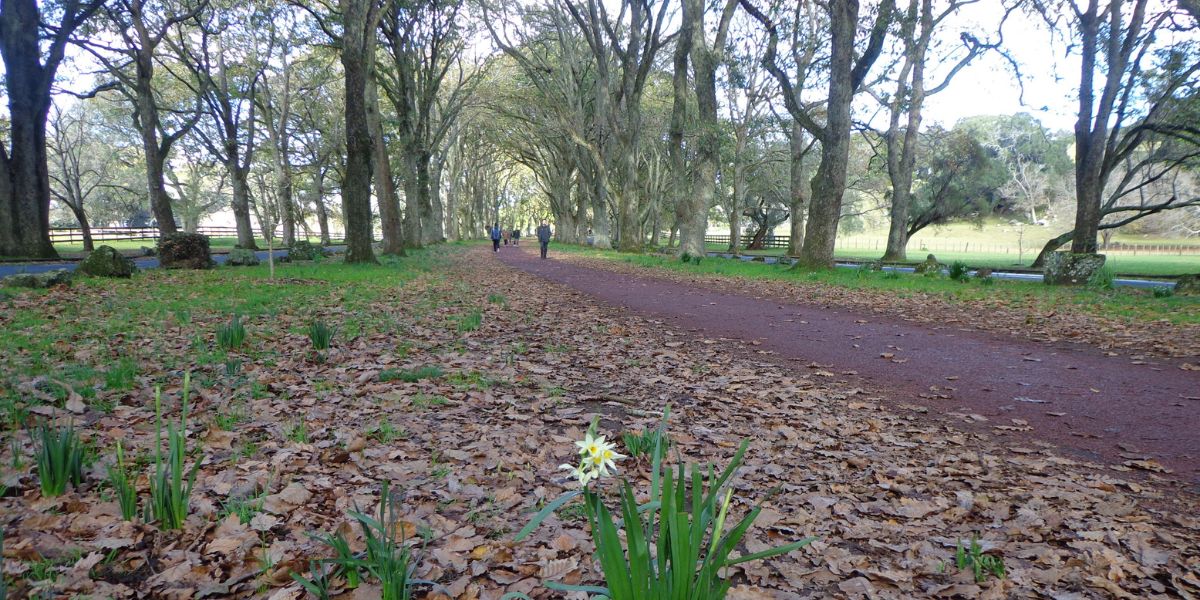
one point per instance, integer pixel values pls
(604, 461)
(591, 445)
(581, 472)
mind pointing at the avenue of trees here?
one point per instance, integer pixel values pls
(629, 123)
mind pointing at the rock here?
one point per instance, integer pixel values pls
(983, 273)
(45, 279)
(1065, 268)
(931, 266)
(148, 251)
(305, 250)
(1188, 285)
(241, 257)
(105, 261)
(874, 265)
(184, 251)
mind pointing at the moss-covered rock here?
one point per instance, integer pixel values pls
(1188, 285)
(106, 261)
(305, 250)
(182, 250)
(45, 279)
(241, 257)
(931, 266)
(1066, 268)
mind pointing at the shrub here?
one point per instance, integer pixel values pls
(685, 258)
(59, 459)
(232, 334)
(321, 335)
(959, 271)
(171, 486)
(1163, 292)
(182, 250)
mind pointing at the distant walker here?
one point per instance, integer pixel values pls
(543, 236)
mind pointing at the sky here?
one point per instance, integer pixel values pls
(989, 87)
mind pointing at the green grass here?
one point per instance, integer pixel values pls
(1120, 302)
(39, 340)
(411, 375)
(998, 245)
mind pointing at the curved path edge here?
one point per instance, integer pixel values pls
(1139, 415)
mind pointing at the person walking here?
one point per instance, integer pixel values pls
(543, 236)
(507, 234)
(516, 236)
(495, 233)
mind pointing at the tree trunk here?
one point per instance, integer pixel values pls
(431, 228)
(435, 199)
(322, 214)
(708, 147)
(1090, 138)
(829, 184)
(385, 185)
(27, 206)
(84, 226)
(357, 51)
(241, 207)
(629, 238)
(147, 122)
(412, 201)
(1051, 246)
(736, 203)
(601, 233)
(798, 203)
(286, 207)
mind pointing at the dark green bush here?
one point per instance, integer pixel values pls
(181, 250)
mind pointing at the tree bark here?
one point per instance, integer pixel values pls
(322, 214)
(358, 48)
(84, 226)
(385, 186)
(829, 184)
(241, 207)
(24, 173)
(798, 188)
(1051, 246)
(430, 228)
(435, 200)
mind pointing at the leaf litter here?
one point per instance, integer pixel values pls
(475, 449)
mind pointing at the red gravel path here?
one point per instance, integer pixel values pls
(1109, 410)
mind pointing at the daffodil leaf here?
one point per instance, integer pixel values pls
(545, 512)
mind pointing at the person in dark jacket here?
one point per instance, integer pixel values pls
(543, 235)
(495, 233)
(516, 236)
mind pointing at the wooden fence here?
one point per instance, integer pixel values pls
(781, 241)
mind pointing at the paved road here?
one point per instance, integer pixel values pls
(1092, 406)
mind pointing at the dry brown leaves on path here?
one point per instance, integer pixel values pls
(475, 449)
